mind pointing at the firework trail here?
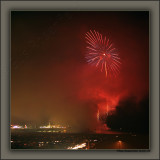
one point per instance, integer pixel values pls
(100, 52)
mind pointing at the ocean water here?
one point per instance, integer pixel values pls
(54, 139)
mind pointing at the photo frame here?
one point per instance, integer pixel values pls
(7, 5)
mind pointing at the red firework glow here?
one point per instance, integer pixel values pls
(64, 72)
(102, 53)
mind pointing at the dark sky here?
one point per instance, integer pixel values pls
(50, 77)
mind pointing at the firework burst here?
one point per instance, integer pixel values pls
(101, 53)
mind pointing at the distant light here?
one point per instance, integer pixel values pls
(41, 142)
(16, 126)
(78, 146)
(52, 126)
(120, 141)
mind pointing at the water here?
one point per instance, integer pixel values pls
(47, 139)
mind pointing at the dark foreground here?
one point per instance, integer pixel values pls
(33, 139)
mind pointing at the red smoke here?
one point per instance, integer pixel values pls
(53, 78)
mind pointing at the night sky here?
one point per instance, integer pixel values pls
(50, 78)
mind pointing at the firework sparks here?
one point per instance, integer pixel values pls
(101, 52)
(98, 115)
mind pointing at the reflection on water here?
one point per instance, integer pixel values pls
(34, 139)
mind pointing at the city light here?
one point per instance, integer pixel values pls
(52, 126)
(78, 146)
(16, 127)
